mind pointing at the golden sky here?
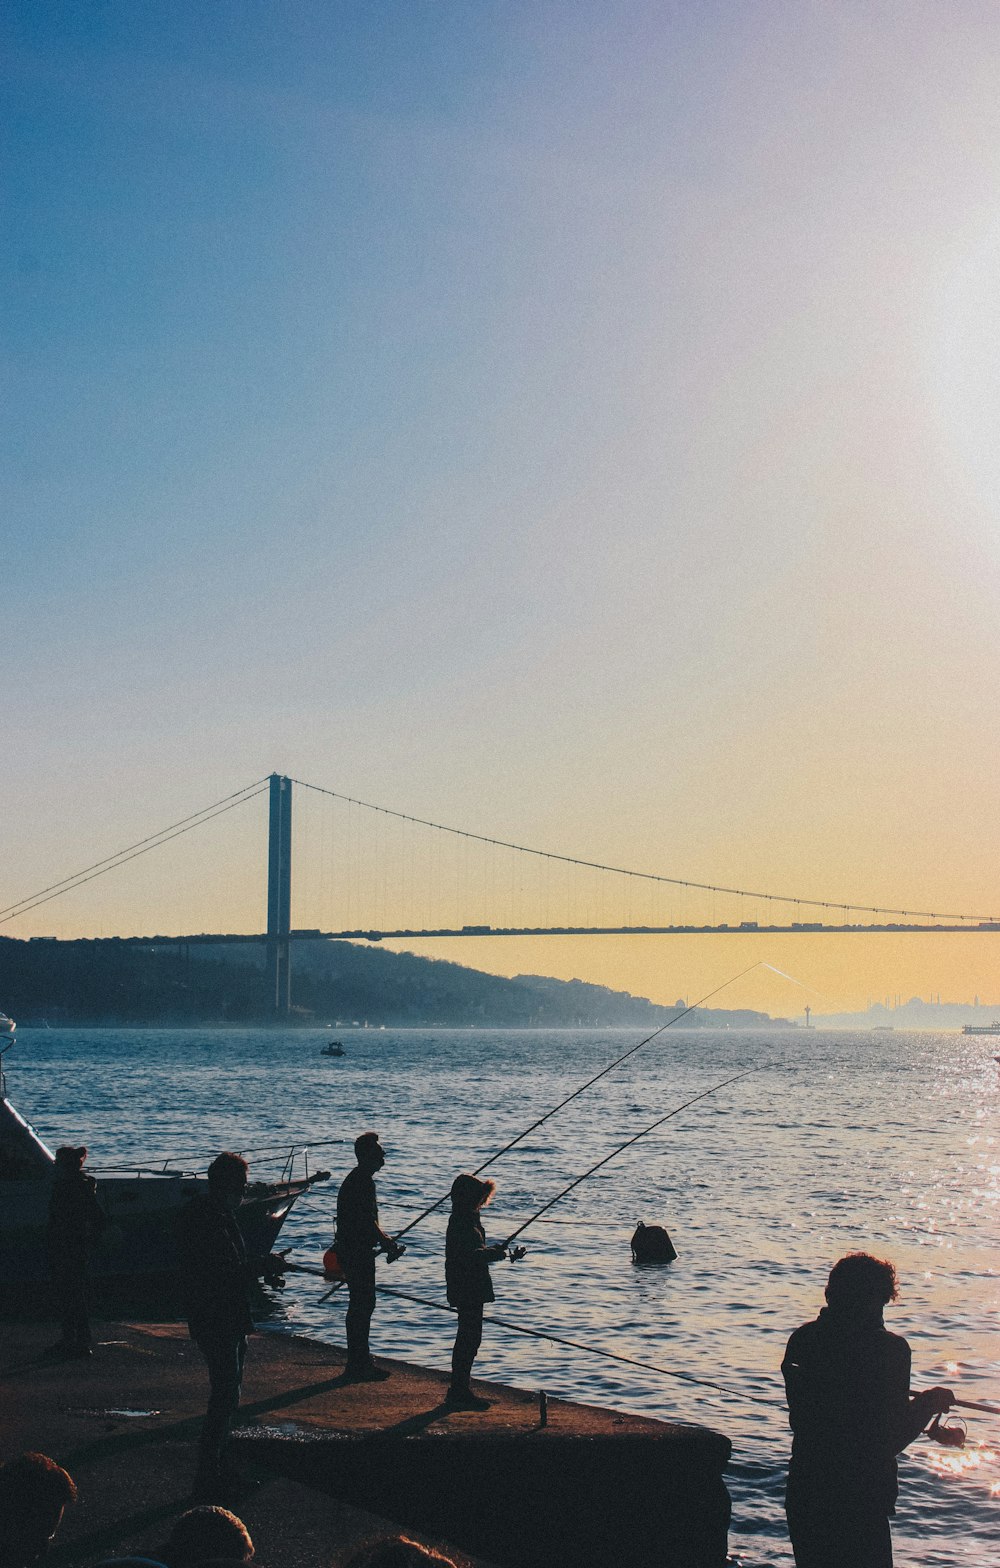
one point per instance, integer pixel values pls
(573, 424)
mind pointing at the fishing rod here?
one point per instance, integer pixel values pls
(604, 1161)
(627, 1145)
(588, 1085)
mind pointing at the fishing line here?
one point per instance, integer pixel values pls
(596, 1350)
(801, 983)
(584, 1086)
(627, 1145)
(603, 1161)
(590, 1350)
(559, 1339)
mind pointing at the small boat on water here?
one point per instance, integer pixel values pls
(333, 1049)
(136, 1252)
(993, 1028)
(7, 1026)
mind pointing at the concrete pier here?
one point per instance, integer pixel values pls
(343, 1464)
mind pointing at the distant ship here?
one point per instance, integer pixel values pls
(993, 1028)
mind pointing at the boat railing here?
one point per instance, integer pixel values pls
(292, 1162)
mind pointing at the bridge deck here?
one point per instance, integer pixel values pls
(746, 928)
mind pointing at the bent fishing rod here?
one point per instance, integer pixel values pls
(588, 1085)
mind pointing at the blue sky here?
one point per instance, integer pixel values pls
(572, 421)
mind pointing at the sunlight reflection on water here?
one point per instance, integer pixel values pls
(836, 1142)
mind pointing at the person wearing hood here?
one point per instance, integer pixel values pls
(216, 1272)
(847, 1382)
(468, 1282)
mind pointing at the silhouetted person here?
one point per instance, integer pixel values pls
(216, 1273)
(847, 1381)
(207, 1534)
(34, 1491)
(359, 1237)
(469, 1286)
(75, 1221)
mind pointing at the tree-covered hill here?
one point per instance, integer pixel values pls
(113, 982)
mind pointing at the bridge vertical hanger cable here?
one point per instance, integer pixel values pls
(649, 876)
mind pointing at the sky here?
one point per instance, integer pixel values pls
(570, 422)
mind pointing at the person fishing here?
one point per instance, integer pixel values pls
(359, 1237)
(468, 1282)
(75, 1220)
(216, 1271)
(847, 1382)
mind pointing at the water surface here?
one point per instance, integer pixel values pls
(837, 1141)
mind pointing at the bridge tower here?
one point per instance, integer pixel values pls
(279, 895)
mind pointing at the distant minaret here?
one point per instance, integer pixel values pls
(808, 1011)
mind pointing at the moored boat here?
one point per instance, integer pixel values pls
(136, 1250)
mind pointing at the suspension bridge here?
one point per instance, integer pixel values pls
(417, 880)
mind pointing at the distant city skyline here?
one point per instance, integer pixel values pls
(575, 424)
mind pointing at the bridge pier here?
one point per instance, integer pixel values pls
(279, 895)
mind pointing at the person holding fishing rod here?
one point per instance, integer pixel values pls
(467, 1278)
(359, 1237)
(847, 1381)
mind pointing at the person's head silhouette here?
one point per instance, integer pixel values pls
(859, 1280)
(368, 1152)
(34, 1491)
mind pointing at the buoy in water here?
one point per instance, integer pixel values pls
(331, 1266)
(652, 1244)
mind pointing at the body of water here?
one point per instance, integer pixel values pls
(836, 1142)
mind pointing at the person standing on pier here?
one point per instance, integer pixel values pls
(216, 1272)
(847, 1381)
(359, 1237)
(75, 1220)
(467, 1278)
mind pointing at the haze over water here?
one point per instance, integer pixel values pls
(837, 1141)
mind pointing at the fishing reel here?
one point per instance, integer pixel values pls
(948, 1436)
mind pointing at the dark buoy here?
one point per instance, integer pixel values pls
(652, 1244)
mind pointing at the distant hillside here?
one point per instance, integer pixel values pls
(109, 982)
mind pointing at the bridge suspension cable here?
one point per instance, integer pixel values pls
(99, 868)
(643, 876)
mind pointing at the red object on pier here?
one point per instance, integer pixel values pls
(331, 1266)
